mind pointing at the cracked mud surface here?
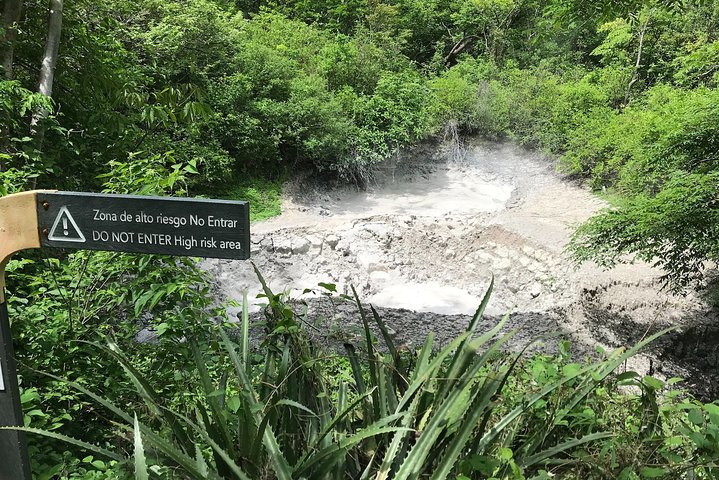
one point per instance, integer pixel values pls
(423, 243)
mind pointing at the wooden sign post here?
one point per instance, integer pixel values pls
(120, 223)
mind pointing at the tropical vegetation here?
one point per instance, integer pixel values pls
(208, 97)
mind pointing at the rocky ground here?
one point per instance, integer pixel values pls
(423, 243)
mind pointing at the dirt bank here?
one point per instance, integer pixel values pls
(430, 234)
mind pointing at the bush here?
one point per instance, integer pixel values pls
(676, 229)
(466, 411)
(61, 304)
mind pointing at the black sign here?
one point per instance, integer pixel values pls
(131, 223)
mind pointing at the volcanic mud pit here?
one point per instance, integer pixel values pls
(422, 244)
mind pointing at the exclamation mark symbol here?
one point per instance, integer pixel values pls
(64, 226)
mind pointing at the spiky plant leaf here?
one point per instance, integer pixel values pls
(269, 441)
(140, 462)
(72, 441)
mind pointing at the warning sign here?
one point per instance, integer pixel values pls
(139, 224)
(64, 229)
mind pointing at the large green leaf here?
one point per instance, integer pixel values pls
(140, 462)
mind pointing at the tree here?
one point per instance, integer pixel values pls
(47, 69)
(11, 15)
(677, 230)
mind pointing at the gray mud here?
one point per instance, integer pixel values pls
(423, 242)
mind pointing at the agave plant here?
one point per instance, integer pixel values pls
(406, 415)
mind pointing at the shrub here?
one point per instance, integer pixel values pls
(466, 411)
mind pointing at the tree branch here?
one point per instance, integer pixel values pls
(458, 48)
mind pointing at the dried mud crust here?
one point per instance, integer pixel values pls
(423, 242)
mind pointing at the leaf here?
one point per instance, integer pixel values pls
(370, 354)
(627, 376)
(391, 347)
(327, 457)
(160, 443)
(245, 333)
(218, 428)
(653, 383)
(653, 472)
(356, 368)
(452, 400)
(70, 440)
(277, 459)
(602, 371)
(234, 403)
(712, 408)
(695, 416)
(148, 394)
(217, 449)
(297, 405)
(569, 444)
(200, 461)
(331, 425)
(140, 462)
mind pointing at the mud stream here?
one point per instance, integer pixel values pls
(423, 243)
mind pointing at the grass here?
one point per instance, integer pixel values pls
(264, 196)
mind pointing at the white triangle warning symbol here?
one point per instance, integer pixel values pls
(65, 229)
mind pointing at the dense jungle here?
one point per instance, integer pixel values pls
(496, 224)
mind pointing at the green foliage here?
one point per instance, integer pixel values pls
(263, 195)
(666, 162)
(60, 304)
(641, 142)
(151, 175)
(466, 411)
(19, 162)
(676, 229)
(394, 116)
(204, 97)
(490, 17)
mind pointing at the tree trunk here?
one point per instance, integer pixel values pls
(638, 63)
(10, 18)
(47, 70)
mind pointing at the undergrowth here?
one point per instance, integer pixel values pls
(471, 410)
(264, 196)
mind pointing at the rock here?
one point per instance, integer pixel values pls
(332, 241)
(449, 253)
(502, 264)
(315, 241)
(282, 245)
(301, 246)
(344, 248)
(534, 267)
(484, 256)
(535, 290)
(376, 267)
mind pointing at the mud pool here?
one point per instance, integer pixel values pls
(423, 243)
